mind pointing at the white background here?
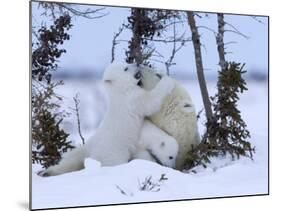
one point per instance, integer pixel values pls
(14, 46)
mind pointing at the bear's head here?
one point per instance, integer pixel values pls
(122, 75)
(150, 77)
(164, 152)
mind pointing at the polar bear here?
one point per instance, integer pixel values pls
(177, 116)
(116, 138)
(157, 146)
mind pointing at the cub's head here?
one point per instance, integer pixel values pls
(150, 77)
(164, 152)
(121, 75)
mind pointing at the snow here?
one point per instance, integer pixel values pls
(96, 185)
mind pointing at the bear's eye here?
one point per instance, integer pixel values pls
(126, 68)
(171, 157)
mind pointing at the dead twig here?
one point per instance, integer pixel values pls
(235, 30)
(115, 42)
(60, 8)
(257, 19)
(76, 109)
(175, 49)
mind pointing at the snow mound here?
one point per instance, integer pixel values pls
(140, 181)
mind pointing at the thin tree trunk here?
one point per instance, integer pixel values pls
(199, 65)
(135, 48)
(220, 41)
(221, 52)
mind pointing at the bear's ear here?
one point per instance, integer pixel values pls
(108, 81)
(162, 144)
(158, 75)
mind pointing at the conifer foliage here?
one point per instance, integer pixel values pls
(45, 56)
(49, 141)
(226, 132)
(145, 24)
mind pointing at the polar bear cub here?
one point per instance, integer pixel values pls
(177, 116)
(116, 138)
(157, 146)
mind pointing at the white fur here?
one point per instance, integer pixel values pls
(155, 143)
(177, 116)
(117, 136)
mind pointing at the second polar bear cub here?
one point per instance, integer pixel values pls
(177, 116)
(157, 146)
(116, 139)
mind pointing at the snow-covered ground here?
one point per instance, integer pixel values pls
(96, 185)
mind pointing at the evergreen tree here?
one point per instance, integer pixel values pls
(226, 132)
(49, 141)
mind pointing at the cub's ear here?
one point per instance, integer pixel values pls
(162, 144)
(158, 75)
(108, 81)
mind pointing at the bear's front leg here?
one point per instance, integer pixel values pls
(151, 101)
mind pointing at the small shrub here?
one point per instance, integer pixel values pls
(49, 141)
(149, 185)
(226, 131)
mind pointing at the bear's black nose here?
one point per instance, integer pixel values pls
(138, 75)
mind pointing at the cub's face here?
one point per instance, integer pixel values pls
(166, 152)
(122, 74)
(150, 78)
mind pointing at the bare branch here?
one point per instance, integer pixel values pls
(146, 54)
(231, 42)
(165, 41)
(88, 13)
(153, 50)
(121, 190)
(209, 29)
(257, 19)
(197, 14)
(157, 60)
(115, 42)
(170, 62)
(76, 109)
(60, 8)
(235, 30)
(172, 23)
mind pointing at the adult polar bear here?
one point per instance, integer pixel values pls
(177, 116)
(116, 142)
